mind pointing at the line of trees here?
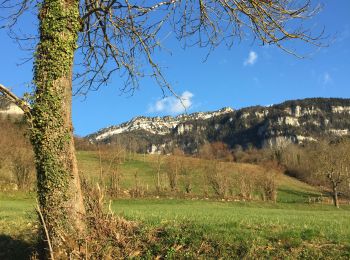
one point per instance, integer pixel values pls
(325, 163)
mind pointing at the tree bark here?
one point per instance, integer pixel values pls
(59, 191)
(335, 196)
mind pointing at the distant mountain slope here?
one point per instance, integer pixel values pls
(155, 125)
(295, 121)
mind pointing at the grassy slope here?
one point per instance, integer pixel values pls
(289, 189)
(278, 230)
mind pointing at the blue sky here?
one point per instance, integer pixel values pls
(245, 75)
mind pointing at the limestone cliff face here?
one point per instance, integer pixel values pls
(296, 121)
(157, 125)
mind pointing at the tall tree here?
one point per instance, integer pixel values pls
(111, 36)
(332, 164)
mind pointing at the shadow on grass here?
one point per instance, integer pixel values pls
(11, 248)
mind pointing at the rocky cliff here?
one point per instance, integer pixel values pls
(296, 121)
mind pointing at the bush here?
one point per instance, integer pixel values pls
(16, 154)
(217, 151)
(217, 178)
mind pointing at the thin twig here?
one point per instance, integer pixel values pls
(45, 229)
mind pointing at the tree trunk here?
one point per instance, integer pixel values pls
(335, 196)
(59, 190)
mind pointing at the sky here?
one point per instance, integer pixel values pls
(245, 75)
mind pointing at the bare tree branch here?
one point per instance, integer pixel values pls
(123, 35)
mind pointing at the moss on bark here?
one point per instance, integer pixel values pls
(59, 191)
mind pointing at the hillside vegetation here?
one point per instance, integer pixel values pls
(220, 204)
(138, 176)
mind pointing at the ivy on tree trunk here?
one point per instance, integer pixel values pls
(59, 190)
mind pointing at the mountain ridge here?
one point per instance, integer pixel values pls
(165, 123)
(292, 121)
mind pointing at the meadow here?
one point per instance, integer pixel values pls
(197, 226)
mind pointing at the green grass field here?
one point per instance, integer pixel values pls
(288, 229)
(260, 229)
(279, 227)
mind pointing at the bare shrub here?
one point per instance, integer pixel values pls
(254, 155)
(172, 173)
(109, 237)
(258, 182)
(138, 190)
(186, 177)
(215, 150)
(110, 160)
(217, 178)
(187, 171)
(268, 186)
(247, 185)
(173, 168)
(158, 170)
(83, 144)
(7, 133)
(16, 154)
(23, 169)
(115, 181)
(299, 163)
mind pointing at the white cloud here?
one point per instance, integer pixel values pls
(252, 59)
(173, 105)
(327, 79)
